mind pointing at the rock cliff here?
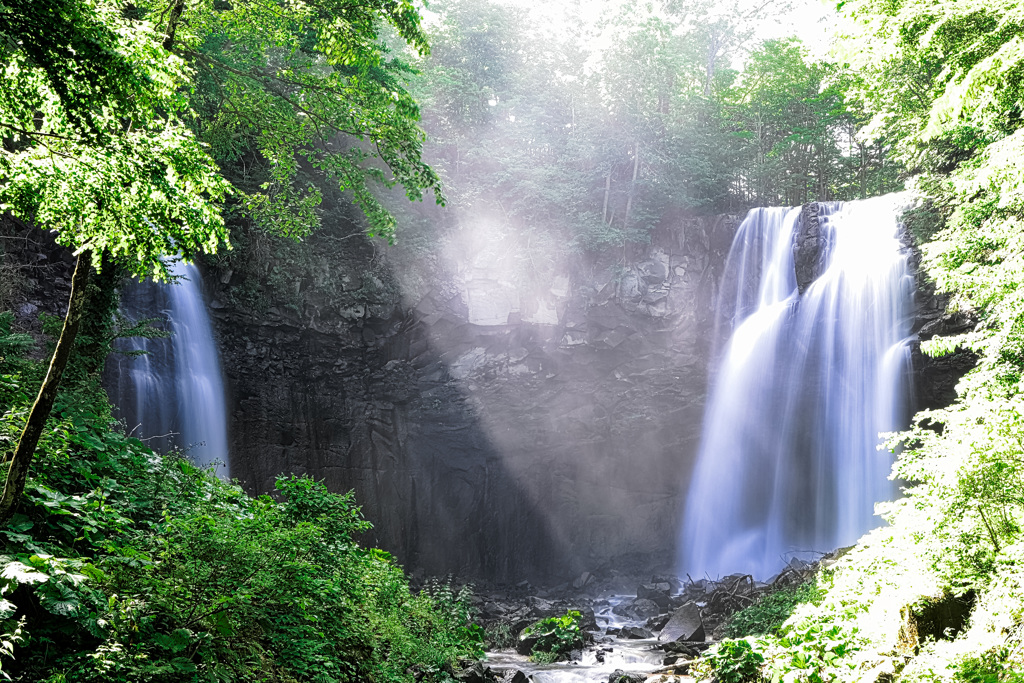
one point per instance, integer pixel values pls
(488, 428)
(496, 419)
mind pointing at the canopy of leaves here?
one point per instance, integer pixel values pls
(282, 85)
(94, 145)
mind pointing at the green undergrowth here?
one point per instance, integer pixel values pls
(771, 610)
(126, 565)
(556, 637)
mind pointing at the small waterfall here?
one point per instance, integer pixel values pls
(173, 394)
(789, 461)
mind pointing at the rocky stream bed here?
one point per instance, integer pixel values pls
(639, 630)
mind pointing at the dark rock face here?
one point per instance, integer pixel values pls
(488, 429)
(492, 428)
(811, 246)
(685, 624)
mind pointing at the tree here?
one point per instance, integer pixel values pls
(94, 148)
(109, 139)
(279, 85)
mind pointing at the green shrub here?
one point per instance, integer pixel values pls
(988, 667)
(125, 565)
(771, 610)
(556, 636)
(731, 661)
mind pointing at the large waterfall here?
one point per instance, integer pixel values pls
(805, 381)
(172, 394)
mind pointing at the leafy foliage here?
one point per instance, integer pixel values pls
(124, 565)
(731, 661)
(556, 636)
(771, 611)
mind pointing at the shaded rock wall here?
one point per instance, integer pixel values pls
(488, 428)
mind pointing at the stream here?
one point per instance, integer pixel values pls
(600, 659)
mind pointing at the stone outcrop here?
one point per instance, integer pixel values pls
(494, 421)
(488, 428)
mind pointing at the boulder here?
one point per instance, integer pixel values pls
(689, 649)
(685, 624)
(583, 580)
(525, 642)
(635, 633)
(620, 676)
(476, 673)
(541, 608)
(514, 676)
(655, 592)
(641, 608)
(657, 623)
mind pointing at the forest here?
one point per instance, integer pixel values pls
(237, 133)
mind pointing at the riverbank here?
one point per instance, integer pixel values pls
(639, 628)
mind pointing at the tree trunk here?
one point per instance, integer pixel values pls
(18, 471)
(632, 187)
(172, 23)
(607, 191)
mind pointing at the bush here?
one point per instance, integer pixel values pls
(988, 667)
(731, 661)
(771, 610)
(126, 565)
(556, 636)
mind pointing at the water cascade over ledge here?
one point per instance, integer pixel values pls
(804, 383)
(173, 394)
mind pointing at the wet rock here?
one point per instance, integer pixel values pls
(583, 580)
(514, 676)
(685, 624)
(541, 608)
(620, 676)
(657, 623)
(476, 673)
(811, 246)
(525, 642)
(688, 649)
(655, 592)
(636, 633)
(641, 608)
(588, 620)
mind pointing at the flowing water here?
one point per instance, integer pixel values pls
(789, 462)
(596, 663)
(172, 395)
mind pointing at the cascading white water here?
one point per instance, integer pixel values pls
(173, 394)
(789, 461)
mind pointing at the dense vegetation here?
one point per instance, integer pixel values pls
(126, 565)
(594, 134)
(136, 133)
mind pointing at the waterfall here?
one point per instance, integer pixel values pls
(169, 391)
(804, 383)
